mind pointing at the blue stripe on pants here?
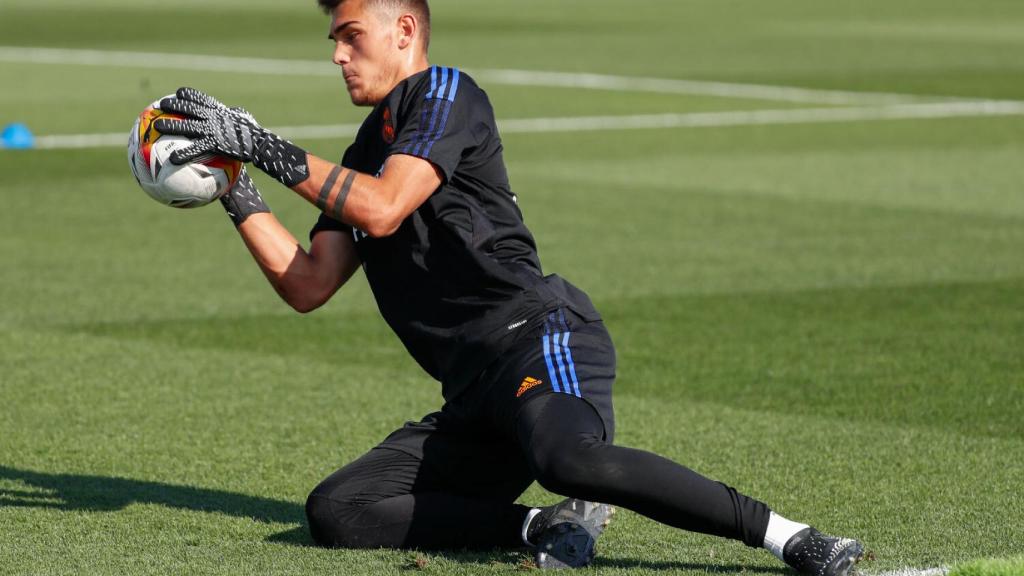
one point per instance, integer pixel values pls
(572, 365)
(557, 350)
(551, 368)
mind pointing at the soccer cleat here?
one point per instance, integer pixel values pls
(568, 533)
(812, 553)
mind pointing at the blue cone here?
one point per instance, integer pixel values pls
(17, 137)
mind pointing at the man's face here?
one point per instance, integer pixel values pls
(366, 48)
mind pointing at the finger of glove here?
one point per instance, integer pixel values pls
(243, 137)
(199, 97)
(185, 108)
(190, 153)
(247, 131)
(173, 127)
(242, 113)
(234, 136)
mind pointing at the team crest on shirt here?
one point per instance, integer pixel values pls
(387, 130)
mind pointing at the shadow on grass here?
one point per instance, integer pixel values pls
(522, 559)
(104, 494)
(627, 563)
(298, 536)
(80, 492)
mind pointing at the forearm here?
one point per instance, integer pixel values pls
(287, 266)
(303, 280)
(348, 196)
(271, 245)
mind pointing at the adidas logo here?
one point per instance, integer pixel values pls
(528, 383)
(301, 169)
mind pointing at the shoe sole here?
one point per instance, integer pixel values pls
(845, 564)
(574, 544)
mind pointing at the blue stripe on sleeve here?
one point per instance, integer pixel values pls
(452, 87)
(444, 83)
(444, 87)
(433, 82)
(423, 137)
(440, 131)
(455, 85)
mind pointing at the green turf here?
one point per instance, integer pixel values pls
(995, 567)
(829, 316)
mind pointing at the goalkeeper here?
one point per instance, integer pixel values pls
(421, 201)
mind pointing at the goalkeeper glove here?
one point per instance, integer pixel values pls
(221, 131)
(243, 200)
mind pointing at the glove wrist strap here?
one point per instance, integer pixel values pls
(243, 200)
(282, 161)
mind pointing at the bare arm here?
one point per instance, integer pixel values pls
(305, 280)
(376, 206)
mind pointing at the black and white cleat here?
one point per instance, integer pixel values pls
(812, 553)
(569, 533)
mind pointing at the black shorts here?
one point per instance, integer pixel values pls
(475, 434)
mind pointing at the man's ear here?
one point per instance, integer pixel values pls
(407, 29)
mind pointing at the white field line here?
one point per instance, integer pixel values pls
(915, 572)
(691, 87)
(933, 110)
(764, 117)
(199, 62)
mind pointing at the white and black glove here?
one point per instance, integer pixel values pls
(221, 131)
(243, 200)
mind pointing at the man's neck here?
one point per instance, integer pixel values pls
(405, 73)
(414, 69)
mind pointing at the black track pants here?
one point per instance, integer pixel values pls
(543, 412)
(449, 498)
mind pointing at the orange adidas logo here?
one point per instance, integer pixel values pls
(528, 382)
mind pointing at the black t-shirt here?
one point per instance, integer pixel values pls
(460, 280)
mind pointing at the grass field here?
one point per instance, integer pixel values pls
(827, 315)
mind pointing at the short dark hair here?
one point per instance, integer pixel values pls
(417, 8)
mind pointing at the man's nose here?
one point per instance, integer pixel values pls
(341, 56)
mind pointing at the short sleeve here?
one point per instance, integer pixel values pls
(439, 127)
(325, 222)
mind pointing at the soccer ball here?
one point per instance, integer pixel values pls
(187, 186)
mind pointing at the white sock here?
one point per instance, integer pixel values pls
(779, 532)
(526, 524)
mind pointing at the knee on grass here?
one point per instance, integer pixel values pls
(330, 525)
